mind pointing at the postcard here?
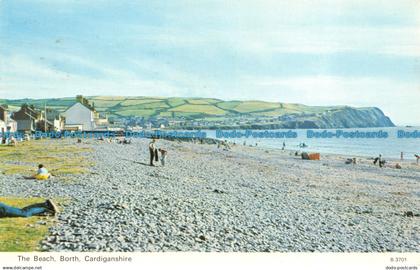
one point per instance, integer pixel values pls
(192, 134)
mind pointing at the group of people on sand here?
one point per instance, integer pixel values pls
(378, 160)
(154, 153)
(381, 162)
(9, 141)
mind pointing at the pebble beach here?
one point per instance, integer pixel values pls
(245, 199)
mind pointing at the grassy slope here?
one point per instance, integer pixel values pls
(63, 159)
(188, 107)
(60, 159)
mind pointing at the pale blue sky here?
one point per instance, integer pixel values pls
(360, 53)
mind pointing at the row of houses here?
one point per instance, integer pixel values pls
(81, 116)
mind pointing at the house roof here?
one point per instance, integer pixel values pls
(28, 111)
(87, 106)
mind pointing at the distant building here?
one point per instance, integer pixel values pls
(101, 121)
(27, 118)
(56, 119)
(83, 115)
(44, 125)
(6, 123)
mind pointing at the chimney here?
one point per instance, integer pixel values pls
(79, 98)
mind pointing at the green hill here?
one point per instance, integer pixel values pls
(216, 110)
(179, 107)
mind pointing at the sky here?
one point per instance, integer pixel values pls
(357, 53)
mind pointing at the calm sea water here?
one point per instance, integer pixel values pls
(390, 147)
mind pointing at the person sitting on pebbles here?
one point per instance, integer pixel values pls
(39, 209)
(41, 174)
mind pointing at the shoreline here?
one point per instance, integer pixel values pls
(212, 141)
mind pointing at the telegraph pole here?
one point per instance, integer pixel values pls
(45, 114)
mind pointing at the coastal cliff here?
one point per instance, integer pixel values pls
(345, 118)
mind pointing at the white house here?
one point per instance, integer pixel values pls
(2, 126)
(6, 123)
(9, 126)
(80, 115)
(83, 116)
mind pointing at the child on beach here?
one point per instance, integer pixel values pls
(41, 174)
(163, 154)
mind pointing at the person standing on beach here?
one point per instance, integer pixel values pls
(153, 152)
(163, 154)
(378, 159)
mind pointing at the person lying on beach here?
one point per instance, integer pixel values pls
(46, 208)
(163, 154)
(41, 174)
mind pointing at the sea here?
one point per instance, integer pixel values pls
(389, 147)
